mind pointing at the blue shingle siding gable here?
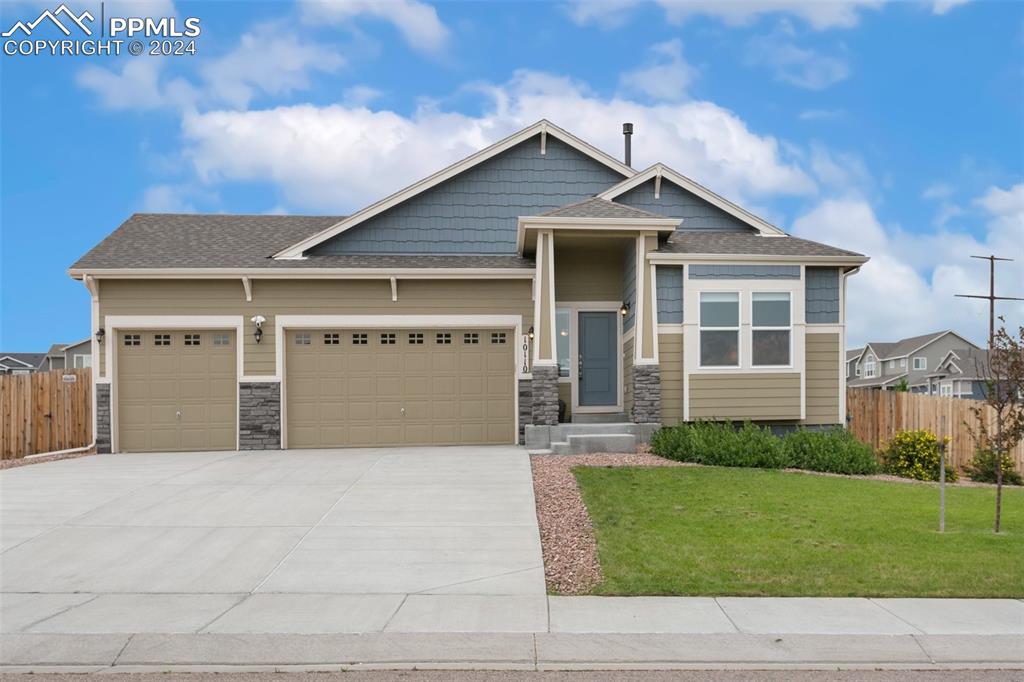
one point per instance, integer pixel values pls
(744, 272)
(670, 294)
(629, 284)
(821, 295)
(475, 212)
(676, 202)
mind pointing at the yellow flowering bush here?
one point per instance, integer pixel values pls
(915, 454)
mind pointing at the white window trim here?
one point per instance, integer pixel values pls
(738, 329)
(903, 363)
(924, 363)
(946, 389)
(81, 358)
(754, 328)
(869, 368)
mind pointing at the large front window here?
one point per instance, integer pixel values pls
(719, 329)
(770, 329)
(563, 316)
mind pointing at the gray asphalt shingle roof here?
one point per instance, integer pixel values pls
(33, 359)
(745, 243)
(159, 240)
(854, 353)
(897, 349)
(600, 208)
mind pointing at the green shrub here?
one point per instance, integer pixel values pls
(915, 454)
(982, 468)
(721, 444)
(835, 451)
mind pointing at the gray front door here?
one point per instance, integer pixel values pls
(599, 359)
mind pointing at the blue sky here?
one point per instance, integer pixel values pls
(894, 129)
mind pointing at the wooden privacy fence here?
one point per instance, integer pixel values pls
(45, 411)
(877, 416)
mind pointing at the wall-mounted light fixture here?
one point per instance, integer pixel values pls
(258, 320)
(530, 332)
(100, 333)
(624, 309)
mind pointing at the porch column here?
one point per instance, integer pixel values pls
(545, 358)
(646, 373)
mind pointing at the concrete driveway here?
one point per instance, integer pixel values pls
(404, 539)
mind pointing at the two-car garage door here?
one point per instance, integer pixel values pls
(376, 387)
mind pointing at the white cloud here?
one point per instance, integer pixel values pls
(944, 6)
(341, 157)
(843, 171)
(665, 77)
(360, 95)
(166, 199)
(799, 66)
(416, 21)
(942, 194)
(268, 59)
(909, 285)
(820, 114)
(608, 14)
(138, 84)
(821, 15)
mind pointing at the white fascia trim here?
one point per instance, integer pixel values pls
(591, 224)
(20, 362)
(662, 258)
(305, 273)
(543, 126)
(663, 171)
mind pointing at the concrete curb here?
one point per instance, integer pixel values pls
(29, 653)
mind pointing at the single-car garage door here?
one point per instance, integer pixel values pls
(176, 390)
(350, 388)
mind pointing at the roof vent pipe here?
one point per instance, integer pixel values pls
(627, 132)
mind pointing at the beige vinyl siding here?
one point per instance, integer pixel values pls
(565, 395)
(745, 396)
(588, 273)
(627, 377)
(823, 362)
(310, 297)
(670, 353)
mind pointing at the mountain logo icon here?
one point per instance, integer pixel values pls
(69, 16)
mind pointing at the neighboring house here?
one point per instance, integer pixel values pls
(462, 308)
(887, 364)
(21, 363)
(853, 363)
(78, 355)
(54, 358)
(962, 373)
(75, 355)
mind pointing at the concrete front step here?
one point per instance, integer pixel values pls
(599, 418)
(563, 439)
(599, 442)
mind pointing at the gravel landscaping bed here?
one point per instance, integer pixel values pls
(566, 535)
(40, 459)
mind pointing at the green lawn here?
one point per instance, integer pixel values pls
(716, 531)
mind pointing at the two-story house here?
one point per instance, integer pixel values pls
(885, 365)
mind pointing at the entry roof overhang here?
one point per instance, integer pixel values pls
(529, 226)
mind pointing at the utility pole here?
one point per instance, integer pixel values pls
(991, 298)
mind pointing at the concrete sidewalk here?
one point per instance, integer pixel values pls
(519, 632)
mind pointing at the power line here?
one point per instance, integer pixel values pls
(991, 298)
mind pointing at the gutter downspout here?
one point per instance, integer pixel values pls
(68, 451)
